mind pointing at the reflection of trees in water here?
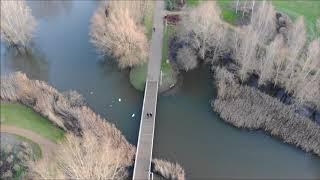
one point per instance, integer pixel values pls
(33, 64)
(108, 65)
(49, 8)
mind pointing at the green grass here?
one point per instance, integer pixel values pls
(228, 14)
(309, 9)
(148, 23)
(24, 117)
(138, 76)
(166, 68)
(191, 3)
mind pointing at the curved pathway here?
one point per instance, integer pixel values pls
(47, 146)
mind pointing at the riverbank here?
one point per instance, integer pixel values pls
(23, 117)
(168, 73)
(67, 111)
(246, 107)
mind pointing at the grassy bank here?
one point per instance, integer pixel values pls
(167, 73)
(310, 10)
(24, 117)
(138, 74)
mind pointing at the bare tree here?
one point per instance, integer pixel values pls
(279, 61)
(202, 28)
(312, 62)
(296, 42)
(88, 157)
(17, 23)
(263, 21)
(120, 33)
(186, 58)
(244, 6)
(246, 51)
(308, 88)
(272, 61)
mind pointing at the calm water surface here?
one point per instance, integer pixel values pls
(187, 131)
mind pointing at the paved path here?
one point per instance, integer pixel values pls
(142, 166)
(47, 146)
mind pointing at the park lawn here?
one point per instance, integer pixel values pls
(167, 72)
(228, 14)
(191, 3)
(138, 76)
(24, 117)
(310, 9)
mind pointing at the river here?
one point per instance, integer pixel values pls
(187, 130)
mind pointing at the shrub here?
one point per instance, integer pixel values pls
(187, 59)
(168, 170)
(14, 160)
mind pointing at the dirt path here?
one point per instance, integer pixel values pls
(47, 146)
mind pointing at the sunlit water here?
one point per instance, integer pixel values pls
(187, 130)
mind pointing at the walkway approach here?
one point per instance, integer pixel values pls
(142, 165)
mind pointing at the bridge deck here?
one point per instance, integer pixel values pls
(142, 166)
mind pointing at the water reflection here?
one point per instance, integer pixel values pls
(50, 8)
(34, 63)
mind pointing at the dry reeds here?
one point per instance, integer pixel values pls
(62, 112)
(168, 170)
(247, 107)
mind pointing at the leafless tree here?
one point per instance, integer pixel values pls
(120, 33)
(296, 41)
(244, 6)
(137, 9)
(17, 23)
(203, 29)
(272, 61)
(263, 21)
(86, 157)
(311, 63)
(308, 80)
(246, 50)
(186, 58)
(280, 59)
